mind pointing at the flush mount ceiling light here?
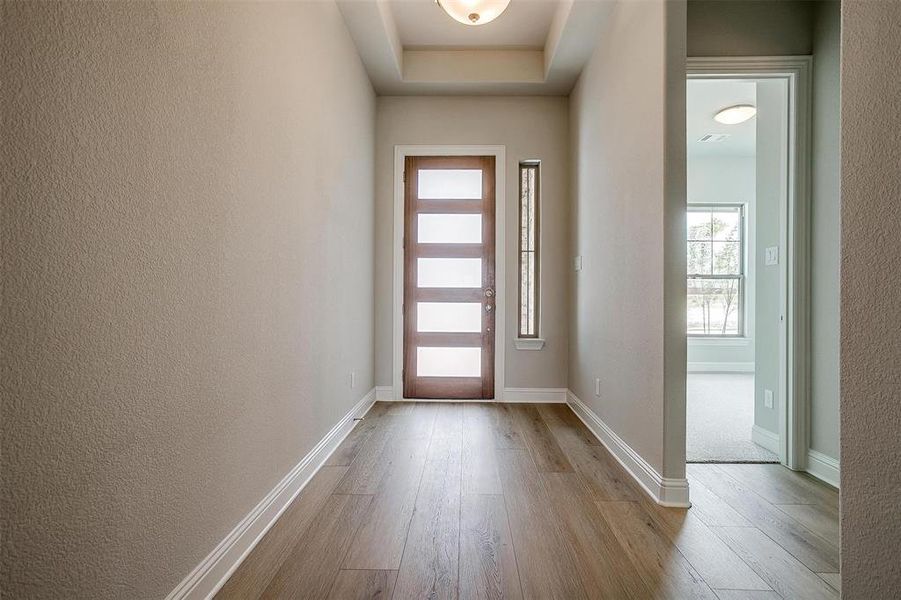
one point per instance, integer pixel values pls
(734, 115)
(474, 12)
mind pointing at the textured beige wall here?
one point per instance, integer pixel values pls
(749, 27)
(187, 226)
(627, 318)
(530, 128)
(871, 299)
(825, 242)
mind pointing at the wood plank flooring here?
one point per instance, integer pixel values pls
(479, 500)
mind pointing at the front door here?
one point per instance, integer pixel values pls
(449, 284)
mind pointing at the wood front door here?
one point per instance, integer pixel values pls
(449, 282)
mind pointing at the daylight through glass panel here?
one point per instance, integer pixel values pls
(449, 317)
(713, 306)
(448, 362)
(449, 229)
(726, 258)
(528, 247)
(450, 184)
(698, 225)
(726, 225)
(715, 248)
(449, 272)
(699, 254)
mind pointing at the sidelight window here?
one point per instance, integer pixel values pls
(529, 199)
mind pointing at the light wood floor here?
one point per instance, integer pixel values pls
(521, 501)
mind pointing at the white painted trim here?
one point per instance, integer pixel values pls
(663, 490)
(213, 571)
(795, 236)
(720, 367)
(765, 439)
(824, 467)
(528, 343)
(719, 342)
(500, 255)
(513, 395)
(553, 395)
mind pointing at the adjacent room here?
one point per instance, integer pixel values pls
(405, 299)
(736, 165)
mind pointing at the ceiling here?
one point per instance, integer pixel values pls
(422, 23)
(707, 97)
(536, 47)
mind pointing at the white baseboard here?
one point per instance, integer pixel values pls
(663, 490)
(720, 367)
(765, 439)
(513, 395)
(552, 395)
(823, 467)
(212, 572)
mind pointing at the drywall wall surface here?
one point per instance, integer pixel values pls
(627, 221)
(870, 299)
(529, 128)
(727, 180)
(749, 27)
(825, 244)
(772, 161)
(187, 226)
(675, 288)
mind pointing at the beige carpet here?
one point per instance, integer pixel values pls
(720, 414)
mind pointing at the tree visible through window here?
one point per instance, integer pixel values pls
(528, 249)
(716, 270)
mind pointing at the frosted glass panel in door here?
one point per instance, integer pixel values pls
(450, 184)
(448, 362)
(450, 229)
(449, 272)
(449, 317)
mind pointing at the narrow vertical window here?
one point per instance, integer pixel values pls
(528, 248)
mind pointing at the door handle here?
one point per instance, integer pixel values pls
(488, 308)
(489, 293)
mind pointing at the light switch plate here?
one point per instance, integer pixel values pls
(577, 263)
(772, 255)
(768, 398)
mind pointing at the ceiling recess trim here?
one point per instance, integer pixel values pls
(551, 70)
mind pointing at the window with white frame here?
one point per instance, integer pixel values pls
(716, 272)
(528, 249)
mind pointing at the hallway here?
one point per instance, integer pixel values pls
(244, 242)
(520, 501)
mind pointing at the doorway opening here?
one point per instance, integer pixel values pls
(746, 288)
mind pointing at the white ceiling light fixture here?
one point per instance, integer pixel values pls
(474, 12)
(734, 115)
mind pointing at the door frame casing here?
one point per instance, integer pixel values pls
(401, 152)
(794, 270)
